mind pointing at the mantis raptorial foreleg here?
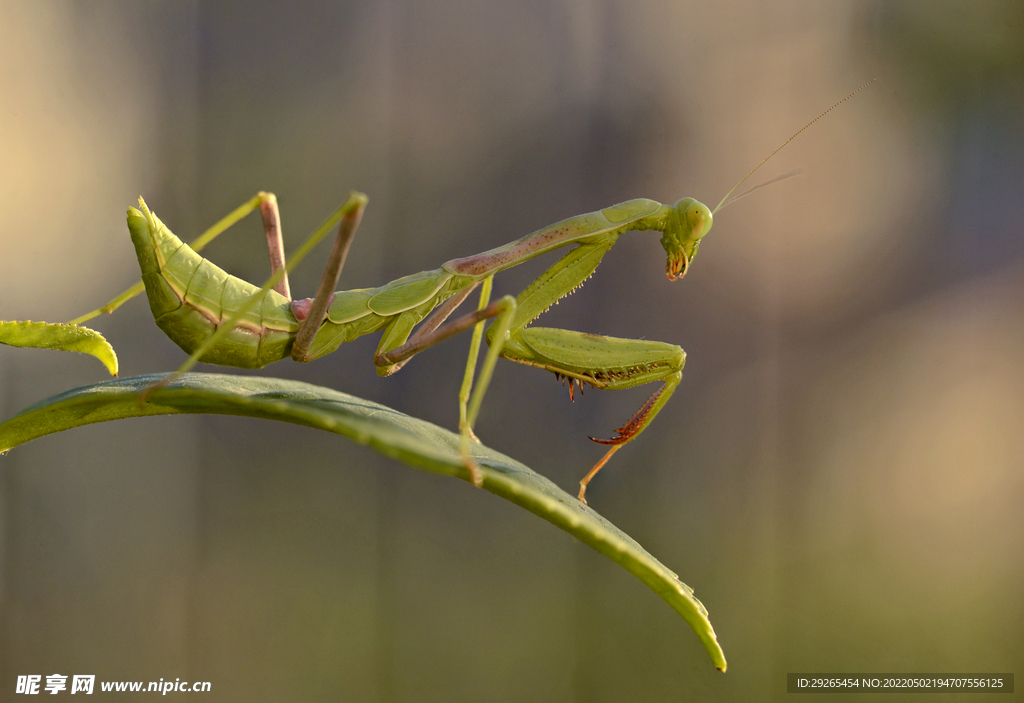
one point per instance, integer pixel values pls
(607, 363)
(603, 362)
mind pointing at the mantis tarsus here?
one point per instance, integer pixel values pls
(220, 319)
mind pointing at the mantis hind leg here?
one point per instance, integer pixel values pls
(313, 315)
(607, 363)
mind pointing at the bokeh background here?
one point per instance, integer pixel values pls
(839, 475)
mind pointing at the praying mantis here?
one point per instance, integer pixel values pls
(221, 319)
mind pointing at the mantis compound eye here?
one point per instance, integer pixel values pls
(699, 220)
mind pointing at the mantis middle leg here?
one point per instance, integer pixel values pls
(433, 332)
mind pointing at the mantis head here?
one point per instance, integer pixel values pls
(681, 242)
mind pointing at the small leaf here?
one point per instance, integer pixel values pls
(415, 442)
(64, 337)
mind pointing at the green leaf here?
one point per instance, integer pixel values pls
(417, 443)
(64, 337)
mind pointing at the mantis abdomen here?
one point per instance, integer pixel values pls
(190, 297)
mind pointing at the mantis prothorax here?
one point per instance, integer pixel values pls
(221, 319)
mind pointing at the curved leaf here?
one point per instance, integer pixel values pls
(60, 336)
(418, 443)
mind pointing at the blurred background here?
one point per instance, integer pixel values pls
(839, 475)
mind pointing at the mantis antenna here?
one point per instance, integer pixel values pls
(759, 186)
(763, 161)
